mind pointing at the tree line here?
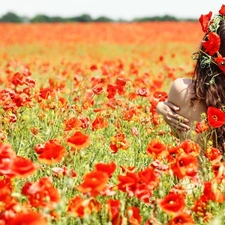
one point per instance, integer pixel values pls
(11, 17)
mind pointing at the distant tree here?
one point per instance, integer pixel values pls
(156, 18)
(57, 19)
(169, 18)
(40, 19)
(82, 18)
(103, 19)
(11, 17)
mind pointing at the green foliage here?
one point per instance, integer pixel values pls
(84, 18)
(11, 18)
(40, 19)
(157, 18)
(103, 19)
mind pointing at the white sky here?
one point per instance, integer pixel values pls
(115, 9)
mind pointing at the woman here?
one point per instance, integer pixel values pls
(188, 99)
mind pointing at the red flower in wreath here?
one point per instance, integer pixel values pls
(204, 20)
(222, 10)
(212, 44)
(216, 117)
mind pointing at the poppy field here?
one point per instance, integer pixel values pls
(81, 141)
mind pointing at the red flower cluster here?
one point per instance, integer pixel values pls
(41, 193)
(183, 159)
(139, 184)
(96, 182)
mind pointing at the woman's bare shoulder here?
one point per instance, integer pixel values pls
(182, 83)
(181, 90)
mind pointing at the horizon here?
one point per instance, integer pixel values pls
(77, 15)
(116, 9)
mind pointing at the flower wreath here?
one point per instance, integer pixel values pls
(211, 43)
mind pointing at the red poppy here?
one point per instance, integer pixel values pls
(173, 153)
(222, 10)
(93, 67)
(156, 149)
(218, 170)
(106, 168)
(97, 89)
(213, 154)
(185, 165)
(200, 205)
(45, 93)
(50, 152)
(182, 219)
(114, 211)
(94, 183)
(18, 79)
(7, 157)
(143, 92)
(23, 167)
(213, 192)
(79, 140)
(111, 89)
(204, 20)
(34, 130)
(216, 117)
(130, 113)
(190, 147)
(41, 193)
(149, 177)
(99, 122)
(128, 183)
(161, 58)
(212, 44)
(6, 188)
(119, 141)
(28, 218)
(72, 123)
(160, 95)
(79, 206)
(220, 62)
(201, 127)
(75, 206)
(134, 216)
(172, 203)
(120, 85)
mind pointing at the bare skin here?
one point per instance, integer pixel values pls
(178, 111)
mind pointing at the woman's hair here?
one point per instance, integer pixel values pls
(209, 82)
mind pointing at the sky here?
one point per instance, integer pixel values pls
(114, 9)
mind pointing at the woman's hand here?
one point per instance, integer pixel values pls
(171, 116)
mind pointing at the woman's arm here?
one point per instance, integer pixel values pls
(170, 113)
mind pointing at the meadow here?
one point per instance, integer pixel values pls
(81, 141)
